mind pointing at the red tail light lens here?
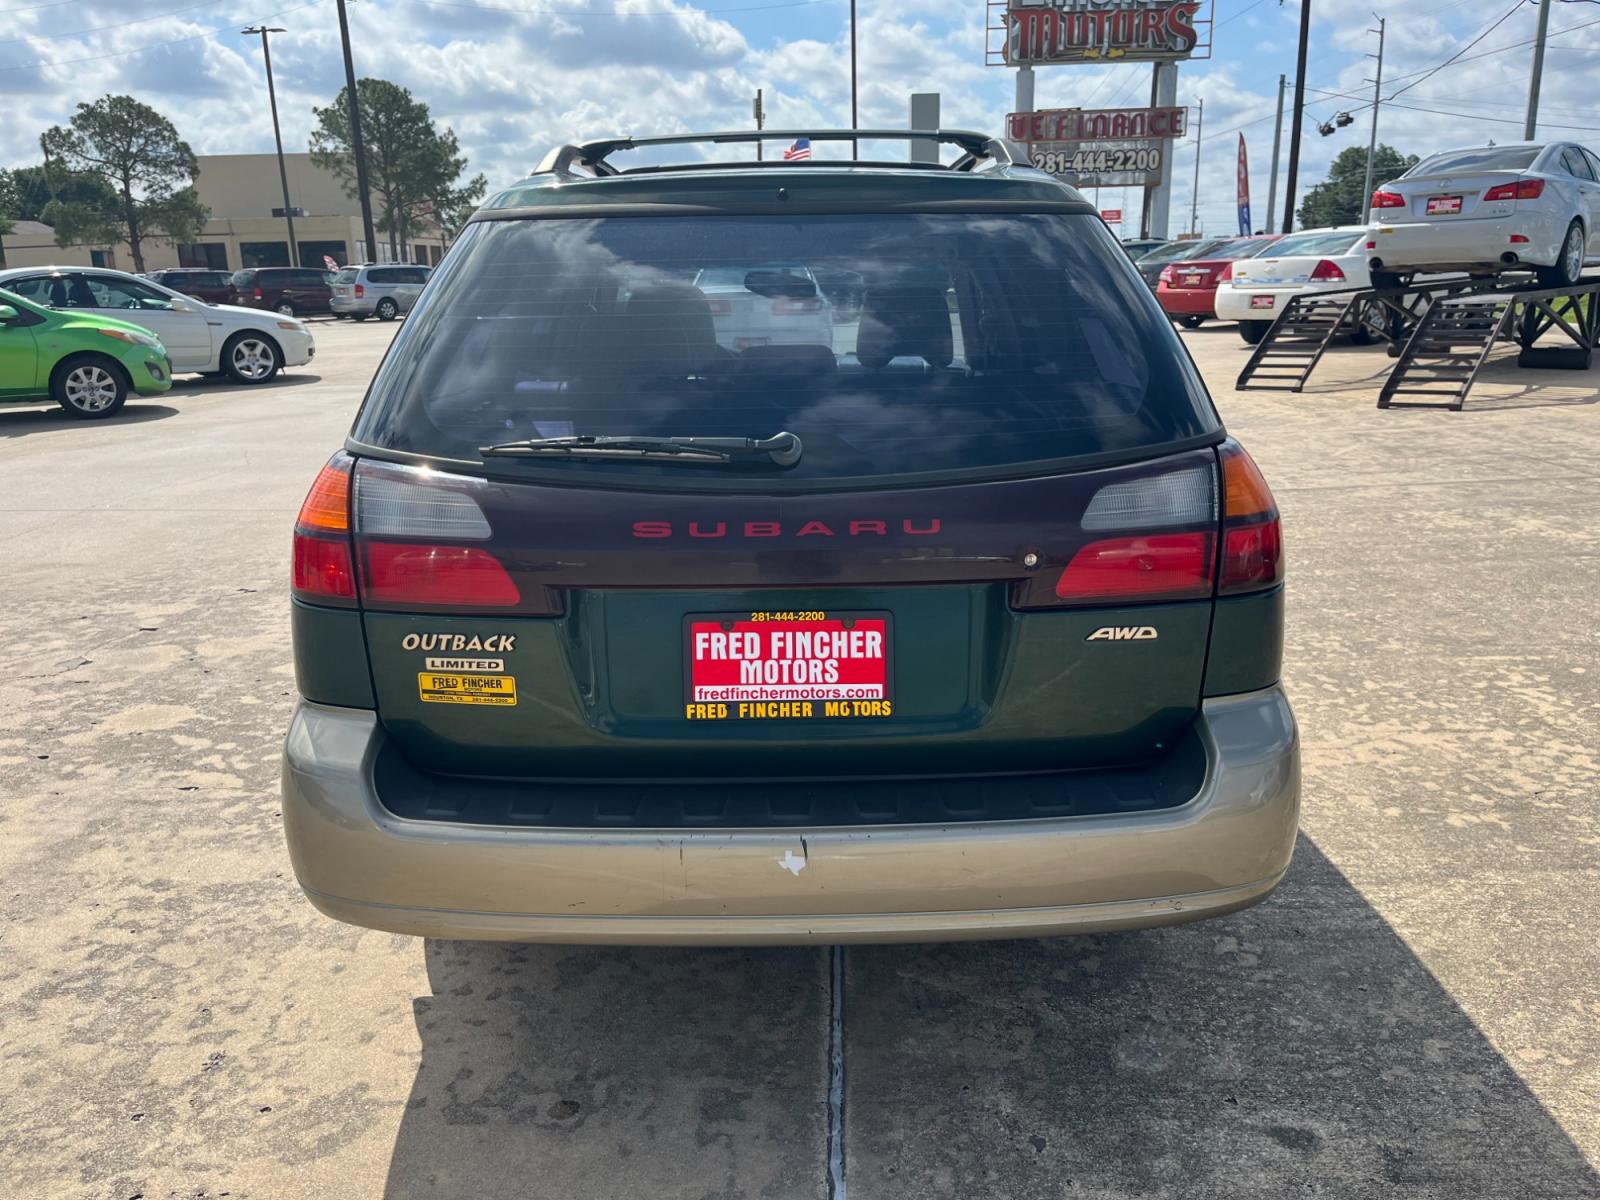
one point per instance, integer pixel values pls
(790, 306)
(435, 576)
(1226, 273)
(1327, 271)
(1167, 274)
(361, 290)
(1160, 566)
(258, 293)
(1522, 189)
(1381, 199)
(1252, 536)
(323, 572)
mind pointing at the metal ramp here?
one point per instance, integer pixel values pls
(1287, 354)
(1446, 351)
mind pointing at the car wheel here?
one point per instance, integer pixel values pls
(284, 308)
(251, 357)
(89, 387)
(1569, 263)
(1253, 331)
(1191, 320)
(387, 309)
(1368, 319)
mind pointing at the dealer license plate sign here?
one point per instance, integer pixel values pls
(1261, 301)
(787, 665)
(1443, 206)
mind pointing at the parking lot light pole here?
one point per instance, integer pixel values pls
(1531, 128)
(1199, 132)
(356, 149)
(1277, 141)
(277, 135)
(1299, 113)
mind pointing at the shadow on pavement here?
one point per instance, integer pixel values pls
(1294, 1049)
(199, 385)
(21, 421)
(554, 1071)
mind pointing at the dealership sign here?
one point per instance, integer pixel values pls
(1040, 32)
(1097, 124)
(1104, 147)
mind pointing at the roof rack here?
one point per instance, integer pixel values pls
(976, 147)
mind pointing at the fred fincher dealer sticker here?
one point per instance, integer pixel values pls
(466, 689)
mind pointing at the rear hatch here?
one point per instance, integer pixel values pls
(344, 283)
(995, 553)
(1460, 185)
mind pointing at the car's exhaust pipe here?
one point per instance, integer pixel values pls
(1375, 264)
(1509, 258)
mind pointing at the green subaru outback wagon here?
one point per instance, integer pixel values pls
(86, 363)
(902, 585)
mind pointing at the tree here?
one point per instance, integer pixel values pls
(150, 170)
(455, 205)
(412, 167)
(37, 188)
(8, 201)
(1338, 199)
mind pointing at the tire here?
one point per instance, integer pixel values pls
(1253, 331)
(387, 309)
(89, 387)
(283, 308)
(1569, 261)
(1191, 320)
(1362, 334)
(251, 357)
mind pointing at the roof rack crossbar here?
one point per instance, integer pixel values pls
(976, 147)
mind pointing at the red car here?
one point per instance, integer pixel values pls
(1188, 288)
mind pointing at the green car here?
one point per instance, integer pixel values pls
(87, 363)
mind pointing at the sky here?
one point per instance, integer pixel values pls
(515, 77)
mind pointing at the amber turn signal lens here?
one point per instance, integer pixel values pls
(327, 505)
(1245, 492)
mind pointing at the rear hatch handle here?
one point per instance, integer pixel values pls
(782, 449)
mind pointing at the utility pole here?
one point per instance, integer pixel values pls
(1277, 139)
(855, 123)
(356, 148)
(1199, 133)
(1299, 112)
(1530, 128)
(1372, 141)
(277, 136)
(761, 120)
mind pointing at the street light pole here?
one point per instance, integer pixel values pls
(1277, 140)
(1299, 112)
(1372, 140)
(277, 136)
(855, 148)
(1199, 133)
(1530, 128)
(357, 150)
(760, 114)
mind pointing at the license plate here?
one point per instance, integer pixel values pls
(1193, 280)
(1443, 206)
(806, 665)
(1262, 301)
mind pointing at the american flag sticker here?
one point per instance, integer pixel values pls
(799, 151)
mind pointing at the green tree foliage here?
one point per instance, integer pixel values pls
(37, 188)
(8, 201)
(1338, 199)
(413, 168)
(148, 167)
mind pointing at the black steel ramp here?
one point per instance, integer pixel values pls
(1285, 357)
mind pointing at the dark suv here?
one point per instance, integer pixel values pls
(960, 617)
(292, 291)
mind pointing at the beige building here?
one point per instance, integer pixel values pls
(246, 228)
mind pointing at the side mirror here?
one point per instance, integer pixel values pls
(182, 306)
(7, 314)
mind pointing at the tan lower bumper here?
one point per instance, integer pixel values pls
(1221, 851)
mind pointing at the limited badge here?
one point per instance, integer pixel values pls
(467, 689)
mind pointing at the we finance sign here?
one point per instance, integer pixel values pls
(1040, 32)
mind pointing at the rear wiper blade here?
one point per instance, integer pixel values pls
(783, 449)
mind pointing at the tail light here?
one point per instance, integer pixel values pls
(720, 307)
(1327, 271)
(361, 290)
(1522, 189)
(1226, 273)
(258, 293)
(790, 306)
(1252, 536)
(1168, 274)
(423, 542)
(1382, 199)
(323, 571)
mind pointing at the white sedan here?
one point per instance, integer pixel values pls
(1490, 209)
(1316, 260)
(250, 345)
(773, 304)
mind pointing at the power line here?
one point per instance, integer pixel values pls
(619, 12)
(193, 37)
(1429, 74)
(58, 37)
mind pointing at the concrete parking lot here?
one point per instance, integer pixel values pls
(1415, 1013)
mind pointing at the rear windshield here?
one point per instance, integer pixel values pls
(892, 345)
(1488, 158)
(1338, 242)
(243, 278)
(1238, 248)
(348, 275)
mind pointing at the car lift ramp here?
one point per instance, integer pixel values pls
(1441, 331)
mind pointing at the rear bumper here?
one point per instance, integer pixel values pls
(1233, 303)
(1224, 849)
(1188, 302)
(1469, 245)
(353, 307)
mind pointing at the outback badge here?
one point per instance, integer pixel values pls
(1123, 633)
